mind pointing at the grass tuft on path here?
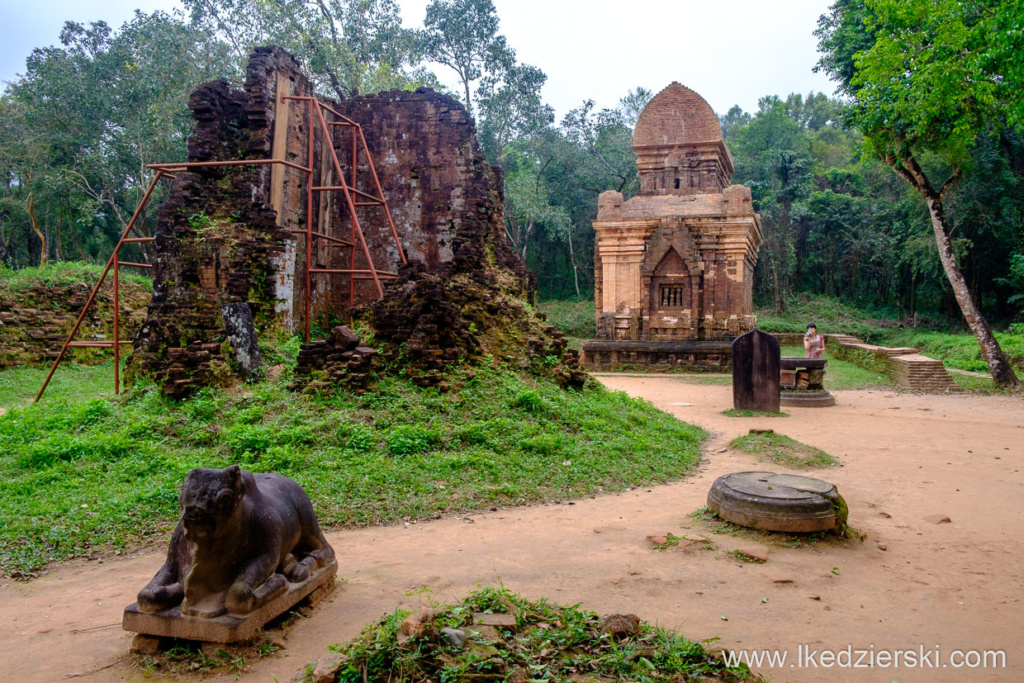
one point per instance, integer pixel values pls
(782, 450)
(81, 475)
(548, 642)
(732, 412)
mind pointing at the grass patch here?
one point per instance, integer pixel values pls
(573, 317)
(72, 382)
(62, 274)
(782, 450)
(81, 474)
(184, 657)
(548, 643)
(732, 412)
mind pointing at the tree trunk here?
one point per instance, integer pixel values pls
(572, 260)
(998, 365)
(35, 228)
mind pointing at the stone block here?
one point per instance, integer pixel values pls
(228, 628)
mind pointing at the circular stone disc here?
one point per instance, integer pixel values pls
(806, 399)
(777, 502)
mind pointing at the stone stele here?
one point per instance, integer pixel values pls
(778, 502)
(755, 372)
(247, 548)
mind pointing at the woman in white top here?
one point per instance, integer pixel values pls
(814, 344)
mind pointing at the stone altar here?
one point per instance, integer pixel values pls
(676, 262)
(802, 383)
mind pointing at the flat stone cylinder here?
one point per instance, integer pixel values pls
(229, 628)
(777, 502)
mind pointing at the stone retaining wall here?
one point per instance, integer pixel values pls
(903, 365)
(35, 321)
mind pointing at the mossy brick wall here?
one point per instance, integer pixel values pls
(35, 319)
(217, 236)
(465, 293)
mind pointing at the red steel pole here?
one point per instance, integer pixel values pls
(96, 289)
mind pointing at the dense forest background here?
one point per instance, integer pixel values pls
(77, 129)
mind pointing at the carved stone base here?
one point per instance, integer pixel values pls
(658, 356)
(229, 628)
(778, 502)
(806, 399)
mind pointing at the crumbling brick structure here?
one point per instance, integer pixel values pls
(230, 260)
(674, 265)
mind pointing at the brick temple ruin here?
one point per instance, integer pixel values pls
(231, 241)
(674, 265)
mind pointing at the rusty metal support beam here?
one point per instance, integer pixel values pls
(315, 112)
(95, 290)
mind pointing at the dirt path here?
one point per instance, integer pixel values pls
(957, 586)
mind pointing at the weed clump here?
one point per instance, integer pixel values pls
(537, 640)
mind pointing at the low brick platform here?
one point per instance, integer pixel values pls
(699, 356)
(230, 628)
(903, 365)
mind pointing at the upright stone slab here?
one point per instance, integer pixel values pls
(755, 372)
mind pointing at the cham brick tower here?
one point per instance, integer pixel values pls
(674, 265)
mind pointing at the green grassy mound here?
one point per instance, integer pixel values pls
(546, 643)
(80, 475)
(782, 450)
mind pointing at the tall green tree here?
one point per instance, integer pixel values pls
(927, 78)
(91, 114)
(463, 35)
(349, 46)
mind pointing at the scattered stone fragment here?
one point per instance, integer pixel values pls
(621, 625)
(882, 546)
(499, 620)
(757, 553)
(885, 514)
(782, 581)
(938, 519)
(484, 632)
(657, 539)
(144, 645)
(697, 539)
(327, 667)
(454, 636)
(415, 625)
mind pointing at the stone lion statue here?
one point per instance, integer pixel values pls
(240, 539)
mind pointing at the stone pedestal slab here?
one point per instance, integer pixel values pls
(229, 628)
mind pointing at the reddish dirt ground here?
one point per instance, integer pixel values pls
(904, 457)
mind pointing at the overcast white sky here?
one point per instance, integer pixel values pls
(731, 52)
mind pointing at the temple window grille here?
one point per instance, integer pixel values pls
(672, 296)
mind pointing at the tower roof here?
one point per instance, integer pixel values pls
(674, 117)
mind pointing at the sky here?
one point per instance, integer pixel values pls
(731, 51)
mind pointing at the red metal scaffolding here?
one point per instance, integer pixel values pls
(354, 200)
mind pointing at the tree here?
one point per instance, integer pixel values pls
(463, 35)
(93, 112)
(927, 78)
(772, 157)
(349, 46)
(511, 107)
